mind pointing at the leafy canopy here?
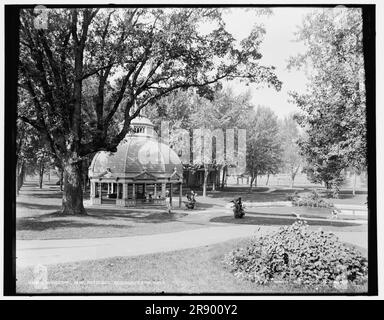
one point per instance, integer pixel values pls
(92, 68)
(333, 108)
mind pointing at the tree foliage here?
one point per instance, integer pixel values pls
(333, 108)
(188, 110)
(131, 57)
(264, 152)
(291, 158)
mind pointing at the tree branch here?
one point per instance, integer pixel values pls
(87, 75)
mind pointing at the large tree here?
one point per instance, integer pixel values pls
(192, 109)
(227, 112)
(291, 158)
(32, 153)
(134, 56)
(333, 108)
(264, 151)
(24, 140)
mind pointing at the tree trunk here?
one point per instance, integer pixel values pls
(354, 183)
(251, 183)
(206, 172)
(17, 180)
(85, 184)
(267, 179)
(20, 175)
(223, 177)
(41, 175)
(73, 193)
(293, 175)
(61, 178)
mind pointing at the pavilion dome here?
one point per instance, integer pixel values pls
(140, 151)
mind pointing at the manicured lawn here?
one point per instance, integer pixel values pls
(198, 270)
(98, 224)
(226, 196)
(257, 195)
(37, 215)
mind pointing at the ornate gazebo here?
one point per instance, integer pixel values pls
(139, 172)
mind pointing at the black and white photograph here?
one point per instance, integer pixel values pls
(191, 149)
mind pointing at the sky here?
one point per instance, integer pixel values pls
(277, 47)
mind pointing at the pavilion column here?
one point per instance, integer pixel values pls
(125, 193)
(134, 194)
(112, 186)
(118, 190)
(163, 190)
(155, 191)
(92, 192)
(180, 194)
(109, 187)
(99, 192)
(92, 189)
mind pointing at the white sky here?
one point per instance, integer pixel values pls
(277, 47)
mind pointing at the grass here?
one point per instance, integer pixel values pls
(98, 224)
(198, 271)
(226, 196)
(283, 221)
(37, 215)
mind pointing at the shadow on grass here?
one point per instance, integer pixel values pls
(265, 221)
(201, 205)
(349, 196)
(257, 197)
(25, 224)
(244, 189)
(154, 217)
(349, 192)
(49, 195)
(35, 206)
(94, 218)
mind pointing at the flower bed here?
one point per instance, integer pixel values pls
(296, 255)
(311, 199)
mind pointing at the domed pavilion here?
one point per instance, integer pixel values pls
(139, 172)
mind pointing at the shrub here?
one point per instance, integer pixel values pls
(293, 196)
(311, 199)
(296, 255)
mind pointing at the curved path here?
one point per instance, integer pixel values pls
(34, 252)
